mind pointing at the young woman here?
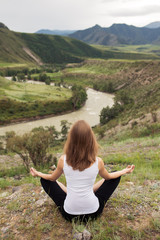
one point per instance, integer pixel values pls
(81, 198)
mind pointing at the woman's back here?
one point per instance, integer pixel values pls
(80, 196)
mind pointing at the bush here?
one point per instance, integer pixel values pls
(79, 96)
(34, 146)
(124, 98)
(110, 113)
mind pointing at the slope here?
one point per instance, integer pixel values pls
(11, 48)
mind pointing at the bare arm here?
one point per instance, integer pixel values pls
(53, 176)
(106, 175)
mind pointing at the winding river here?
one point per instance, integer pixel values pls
(89, 112)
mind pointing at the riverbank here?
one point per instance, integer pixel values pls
(89, 112)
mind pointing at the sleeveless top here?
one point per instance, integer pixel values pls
(80, 197)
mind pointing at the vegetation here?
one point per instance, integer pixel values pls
(33, 147)
(131, 213)
(24, 100)
(21, 49)
(133, 82)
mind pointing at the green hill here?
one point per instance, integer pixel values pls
(52, 49)
(11, 48)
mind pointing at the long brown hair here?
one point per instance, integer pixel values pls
(81, 147)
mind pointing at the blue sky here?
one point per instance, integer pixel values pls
(32, 15)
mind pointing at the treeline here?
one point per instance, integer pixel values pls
(9, 72)
(104, 86)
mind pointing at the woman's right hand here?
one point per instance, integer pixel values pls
(34, 172)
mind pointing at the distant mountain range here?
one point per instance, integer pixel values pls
(56, 32)
(117, 34)
(153, 25)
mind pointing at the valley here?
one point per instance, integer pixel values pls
(124, 81)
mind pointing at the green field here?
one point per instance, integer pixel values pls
(28, 92)
(153, 50)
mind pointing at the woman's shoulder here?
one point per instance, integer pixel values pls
(100, 162)
(61, 161)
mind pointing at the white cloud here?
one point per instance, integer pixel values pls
(131, 12)
(32, 15)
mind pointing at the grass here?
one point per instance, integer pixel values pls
(27, 92)
(12, 65)
(154, 50)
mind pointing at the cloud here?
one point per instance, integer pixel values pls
(131, 12)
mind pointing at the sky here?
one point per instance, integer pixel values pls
(33, 15)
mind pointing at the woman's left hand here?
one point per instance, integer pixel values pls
(130, 168)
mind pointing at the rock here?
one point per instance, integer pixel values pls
(15, 189)
(78, 236)
(4, 229)
(4, 194)
(41, 202)
(17, 177)
(86, 235)
(53, 167)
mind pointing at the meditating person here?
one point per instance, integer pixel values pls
(82, 198)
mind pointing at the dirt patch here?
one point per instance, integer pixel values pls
(36, 59)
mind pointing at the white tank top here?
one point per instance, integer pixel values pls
(80, 197)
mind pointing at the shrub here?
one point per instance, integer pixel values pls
(110, 113)
(79, 96)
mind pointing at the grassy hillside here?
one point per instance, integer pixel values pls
(11, 48)
(33, 49)
(138, 79)
(132, 212)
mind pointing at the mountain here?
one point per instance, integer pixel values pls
(153, 25)
(118, 34)
(55, 32)
(40, 48)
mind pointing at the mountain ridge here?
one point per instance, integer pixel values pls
(118, 34)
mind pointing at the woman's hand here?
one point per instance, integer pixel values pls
(34, 172)
(129, 168)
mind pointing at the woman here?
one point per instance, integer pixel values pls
(81, 198)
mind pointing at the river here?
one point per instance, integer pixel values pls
(89, 112)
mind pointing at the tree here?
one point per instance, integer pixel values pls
(48, 81)
(109, 113)
(31, 146)
(65, 125)
(79, 96)
(124, 98)
(43, 77)
(21, 77)
(18, 144)
(14, 78)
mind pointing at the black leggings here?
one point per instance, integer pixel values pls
(58, 196)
